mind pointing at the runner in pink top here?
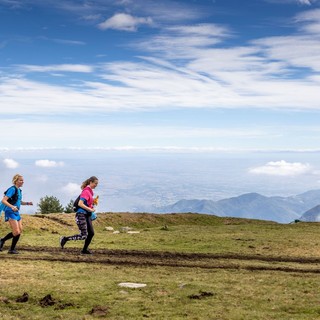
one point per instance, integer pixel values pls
(83, 215)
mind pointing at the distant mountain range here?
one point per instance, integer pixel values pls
(312, 215)
(305, 206)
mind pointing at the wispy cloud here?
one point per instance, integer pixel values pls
(56, 68)
(306, 2)
(188, 67)
(70, 42)
(14, 4)
(282, 168)
(124, 21)
(92, 17)
(310, 21)
(298, 2)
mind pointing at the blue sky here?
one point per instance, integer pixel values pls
(178, 76)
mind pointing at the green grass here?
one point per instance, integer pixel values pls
(230, 293)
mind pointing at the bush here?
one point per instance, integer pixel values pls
(50, 205)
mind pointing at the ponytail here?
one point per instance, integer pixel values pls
(87, 182)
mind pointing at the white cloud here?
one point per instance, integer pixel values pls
(71, 189)
(302, 2)
(48, 163)
(10, 163)
(310, 21)
(125, 22)
(282, 168)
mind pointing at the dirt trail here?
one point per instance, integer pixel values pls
(140, 258)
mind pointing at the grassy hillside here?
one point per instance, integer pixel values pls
(194, 267)
(181, 232)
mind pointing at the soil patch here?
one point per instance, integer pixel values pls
(99, 311)
(23, 298)
(201, 295)
(143, 258)
(47, 301)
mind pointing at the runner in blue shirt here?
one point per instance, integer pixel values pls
(12, 201)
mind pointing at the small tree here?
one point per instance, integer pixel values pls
(50, 205)
(69, 207)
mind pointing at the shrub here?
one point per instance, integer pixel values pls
(69, 207)
(50, 205)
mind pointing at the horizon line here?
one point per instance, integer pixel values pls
(168, 149)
